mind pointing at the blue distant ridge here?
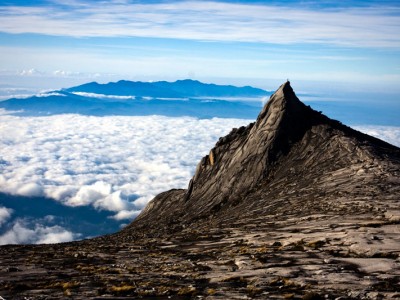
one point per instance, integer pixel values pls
(176, 99)
(164, 89)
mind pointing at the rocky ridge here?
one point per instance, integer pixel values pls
(293, 206)
(291, 152)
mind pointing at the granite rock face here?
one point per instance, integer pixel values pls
(293, 206)
(291, 152)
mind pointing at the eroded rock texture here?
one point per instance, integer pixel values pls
(293, 206)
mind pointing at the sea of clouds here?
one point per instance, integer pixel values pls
(390, 134)
(112, 163)
(26, 232)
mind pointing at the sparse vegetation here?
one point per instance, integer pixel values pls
(187, 290)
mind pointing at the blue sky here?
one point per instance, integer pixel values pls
(329, 44)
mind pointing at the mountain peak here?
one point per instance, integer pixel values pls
(285, 88)
(286, 119)
(282, 101)
(245, 157)
(281, 123)
(259, 158)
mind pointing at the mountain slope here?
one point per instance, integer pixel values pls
(290, 152)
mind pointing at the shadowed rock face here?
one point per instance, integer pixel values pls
(293, 206)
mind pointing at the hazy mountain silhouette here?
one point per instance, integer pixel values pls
(163, 89)
(293, 206)
(176, 99)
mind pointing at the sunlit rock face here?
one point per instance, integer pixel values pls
(293, 206)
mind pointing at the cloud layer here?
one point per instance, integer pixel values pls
(375, 26)
(390, 134)
(23, 232)
(111, 163)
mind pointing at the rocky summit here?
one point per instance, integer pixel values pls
(293, 206)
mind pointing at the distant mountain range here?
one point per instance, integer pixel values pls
(179, 98)
(163, 89)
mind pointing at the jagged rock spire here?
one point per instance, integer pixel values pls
(241, 159)
(289, 145)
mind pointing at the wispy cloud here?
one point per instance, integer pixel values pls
(376, 26)
(389, 134)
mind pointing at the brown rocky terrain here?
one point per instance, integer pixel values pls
(293, 206)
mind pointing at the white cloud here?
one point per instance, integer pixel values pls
(89, 194)
(55, 234)
(126, 214)
(112, 202)
(20, 233)
(48, 94)
(63, 73)
(102, 96)
(209, 20)
(30, 72)
(30, 189)
(389, 134)
(5, 214)
(112, 163)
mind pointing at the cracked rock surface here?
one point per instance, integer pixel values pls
(293, 206)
